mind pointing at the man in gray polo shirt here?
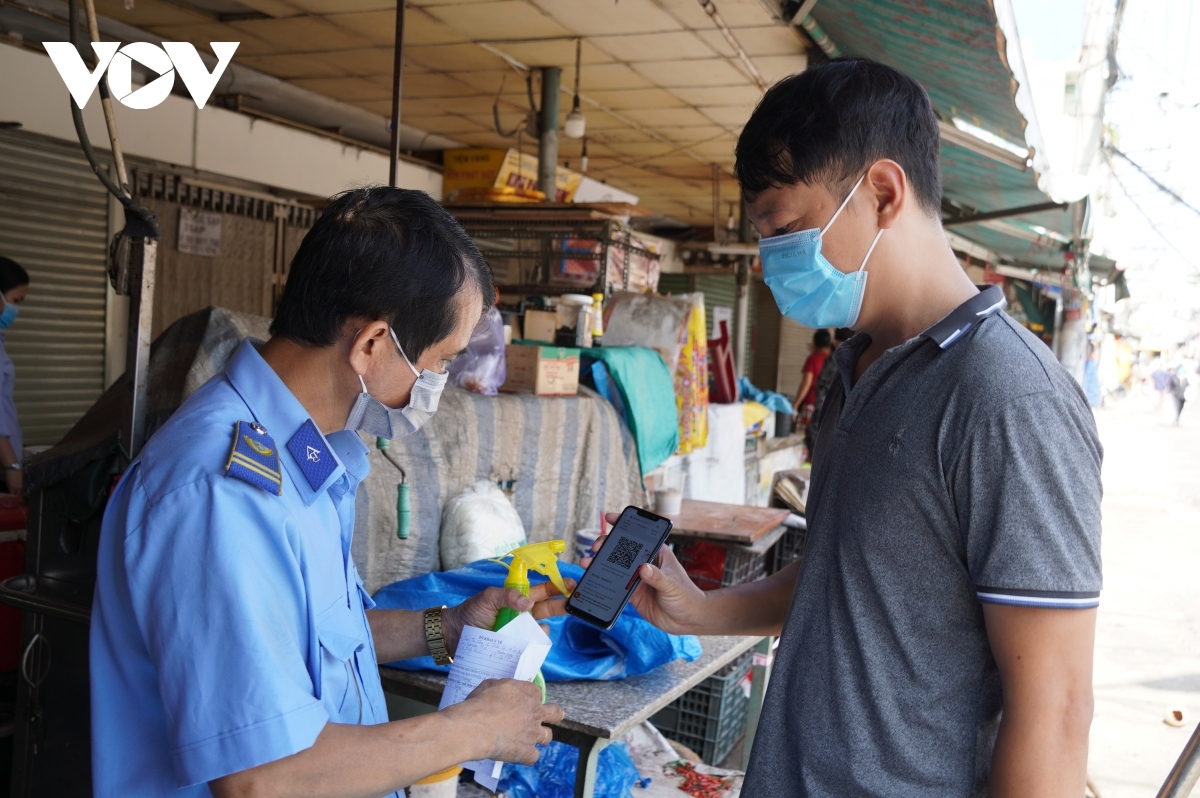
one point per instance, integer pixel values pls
(937, 636)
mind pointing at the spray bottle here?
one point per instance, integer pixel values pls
(540, 557)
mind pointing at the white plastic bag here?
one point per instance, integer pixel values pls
(479, 523)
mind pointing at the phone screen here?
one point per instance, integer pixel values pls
(612, 576)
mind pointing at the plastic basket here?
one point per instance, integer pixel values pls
(711, 717)
(787, 550)
(712, 566)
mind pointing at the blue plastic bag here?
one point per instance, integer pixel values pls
(554, 774)
(770, 399)
(580, 651)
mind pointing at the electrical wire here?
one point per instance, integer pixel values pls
(145, 216)
(1146, 216)
(1152, 179)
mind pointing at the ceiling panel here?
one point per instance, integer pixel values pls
(365, 62)
(448, 124)
(660, 118)
(636, 98)
(300, 34)
(744, 13)
(775, 68)
(606, 17)
(201, 35)
(506, 19)
(149, 13)
(346, 89)
(432, 84)
(292, 66)
(272, 8)
(655, 46)
(728, 116)
(341, 6)
(611, 76)
(700, 72)
(768, 40)
(719, 95)
(555, 52)
(689, 13)
(455, 58)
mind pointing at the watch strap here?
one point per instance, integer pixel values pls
(435, 636)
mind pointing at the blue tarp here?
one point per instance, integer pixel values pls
(770, 399)
(580, 651)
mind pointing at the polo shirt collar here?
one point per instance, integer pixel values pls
(277, 409)
(988, 302)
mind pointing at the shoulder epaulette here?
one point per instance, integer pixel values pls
(254, 458)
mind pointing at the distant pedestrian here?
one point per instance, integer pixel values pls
(806, 397)
(14, 285)
(825, 379)
(1161, 378)
(1178, 389)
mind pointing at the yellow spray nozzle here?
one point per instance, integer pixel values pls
(540, 557)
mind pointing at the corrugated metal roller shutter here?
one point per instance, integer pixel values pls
(54, 222)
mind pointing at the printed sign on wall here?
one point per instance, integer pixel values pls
(199, 233)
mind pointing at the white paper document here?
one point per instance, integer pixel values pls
(515, 652)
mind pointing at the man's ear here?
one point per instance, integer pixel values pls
(367, 346)
(888, 185)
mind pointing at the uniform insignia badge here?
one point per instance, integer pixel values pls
(312, 454)
(255, 458)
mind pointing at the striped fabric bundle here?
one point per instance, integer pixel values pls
(570, 458)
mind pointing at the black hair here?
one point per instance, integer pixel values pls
(381, 253)
(822, 338)
(843, 334)
(829, 123)
(11, 275)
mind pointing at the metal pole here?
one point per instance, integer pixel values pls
(741, 319)
(137, 358)
(548, 141)
(716, 200)
(1186, 773)
(397, 68)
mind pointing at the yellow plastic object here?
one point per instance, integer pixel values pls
(442, 775)
(540, 557)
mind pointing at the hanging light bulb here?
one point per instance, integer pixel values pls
(575, 125)
(583, 158)
(731, 222)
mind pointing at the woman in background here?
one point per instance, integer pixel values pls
(14, 285)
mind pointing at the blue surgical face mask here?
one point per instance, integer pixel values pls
(375, 418)
(8, 315)
(807, 287)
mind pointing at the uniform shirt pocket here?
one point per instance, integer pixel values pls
(340, 633)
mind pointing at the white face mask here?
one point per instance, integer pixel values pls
(375, 418)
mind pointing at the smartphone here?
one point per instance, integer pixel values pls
(610, 580)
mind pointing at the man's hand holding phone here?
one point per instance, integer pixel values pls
(666, 596)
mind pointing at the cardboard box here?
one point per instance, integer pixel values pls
(540, 325)
(543, 370)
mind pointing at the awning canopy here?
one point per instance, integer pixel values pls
(957, 50)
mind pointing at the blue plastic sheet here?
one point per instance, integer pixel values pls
(772, 400)
(554, 774)
(633, 646)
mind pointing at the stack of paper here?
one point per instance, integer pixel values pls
(515, 652)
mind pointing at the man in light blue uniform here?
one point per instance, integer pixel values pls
(231, 651)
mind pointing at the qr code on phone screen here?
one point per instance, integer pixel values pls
(625, 552)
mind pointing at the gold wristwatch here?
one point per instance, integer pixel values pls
(436, 636)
